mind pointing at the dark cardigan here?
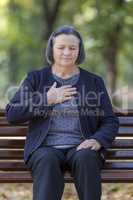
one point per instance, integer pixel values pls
(96, 116)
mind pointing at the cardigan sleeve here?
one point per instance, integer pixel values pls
(109, 123)
(27, 103)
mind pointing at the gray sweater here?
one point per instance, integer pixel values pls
(64, 130)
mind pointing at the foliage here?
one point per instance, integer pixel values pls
(24, 27)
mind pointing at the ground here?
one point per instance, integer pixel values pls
(24, 192)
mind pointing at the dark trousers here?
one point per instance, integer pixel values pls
(47, 167)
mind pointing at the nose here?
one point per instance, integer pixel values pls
(66, 51)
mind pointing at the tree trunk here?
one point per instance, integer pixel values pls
(50, 13)
(13, 67)
(12, 51)
(112, 48)
(110, 55)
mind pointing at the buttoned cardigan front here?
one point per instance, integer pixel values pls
(96, 115)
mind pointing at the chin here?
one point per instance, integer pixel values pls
(66, 64)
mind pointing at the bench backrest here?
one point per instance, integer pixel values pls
(118, 166)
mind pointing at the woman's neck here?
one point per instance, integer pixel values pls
(64, 72)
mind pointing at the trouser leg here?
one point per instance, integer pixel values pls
(85, 167)
(48, 180)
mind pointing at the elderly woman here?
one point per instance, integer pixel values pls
(71, 122)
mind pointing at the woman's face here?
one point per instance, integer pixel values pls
(65, 50)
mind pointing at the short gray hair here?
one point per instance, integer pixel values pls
(68, 30)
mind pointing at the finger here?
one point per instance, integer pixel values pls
(82, 146)
(54, 85)
(70, 89)
(67, 98)
(79, 147)
(89, 144)
(66, 86)
(92, 148)
(70, 93)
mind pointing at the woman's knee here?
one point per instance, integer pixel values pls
(86, 157)
(43, 157)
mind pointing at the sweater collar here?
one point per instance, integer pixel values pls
(51, 79)
(80, 84)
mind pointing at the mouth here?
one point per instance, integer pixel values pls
(66, 58)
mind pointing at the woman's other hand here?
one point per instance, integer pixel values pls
(60, 94)
(89, 143)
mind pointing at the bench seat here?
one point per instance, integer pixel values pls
(118, 166)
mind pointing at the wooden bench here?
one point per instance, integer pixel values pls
(118, 166)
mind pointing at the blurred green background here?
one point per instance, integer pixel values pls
(107, 30)
(105, 25)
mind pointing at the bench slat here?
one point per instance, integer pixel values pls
(117, 176)
(122, 143)
(111, 154)
(126, 121)
(4, 122)
(119, 165)
(120, 154)
(13, 131)
(12, 143)
(15, 177)
(19, 143)
(109, 176)
(9, 166)
(125, 130)
(20, 166)
(11, 154)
